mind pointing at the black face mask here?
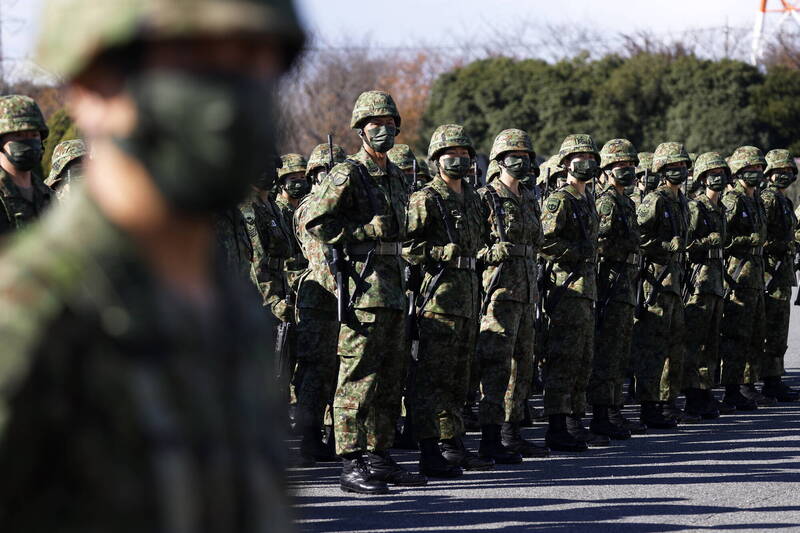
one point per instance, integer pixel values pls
(585, 170)
(752, 178)
(205, 138)
(716, 182)
(296, 189)
(625, 176)
(783, 178)
(25, 154)
(516, 166)
(675, 176)
(455, 167)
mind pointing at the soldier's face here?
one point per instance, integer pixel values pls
(377, 122)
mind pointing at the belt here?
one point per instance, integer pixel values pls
(522, 250)
(715, 253)
(755, 250)
(463, 263)
(376, 247)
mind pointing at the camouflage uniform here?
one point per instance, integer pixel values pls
(20, 113)
(551, 168)
(644, 166)
(659, 329)
(505, 341)
(779, 250)
(372, 349)
(742, 343)
(61, 177)
(402, 156)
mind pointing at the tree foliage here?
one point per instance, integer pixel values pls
(61, 129)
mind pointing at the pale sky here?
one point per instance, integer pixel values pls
(391, 23)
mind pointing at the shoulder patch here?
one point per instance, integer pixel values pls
(340, 178)
(552, 204)
(606, 208)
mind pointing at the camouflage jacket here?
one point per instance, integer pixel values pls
(517, 281)
(15, 210)
(706, 261)
(745, 216)
(458, 289)
(779, 248)
(234, 241)
(316, 288)
(663, 216)
(618, 246)
(343, 204)
(123, 406)
(570, 226)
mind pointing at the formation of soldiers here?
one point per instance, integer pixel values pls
(135, 391)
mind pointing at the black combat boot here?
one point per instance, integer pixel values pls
(670, 408)
(721, 407)
(652, 416)
(356, 477)
(749, 391)
(734, 398)
(601, 424)
(559, 439)
(311, 446)
(383, 468)
(699, 404)
(576, 428)
(456, 453)
(775, 387)
(491, 447)
(404, 438)
(617, 418)
(433, 464)
(512, 440)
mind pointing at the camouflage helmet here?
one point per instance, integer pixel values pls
(645, 162)
(320, 157)
(780, 158)
(449, 136)
(95, 27)
(745, 156)
(374, 104)
(512, 140)
(709, 161)
(667, 153)
(553, 164)
(291, 163)
(423, 168)
(20, 113)
(576, 144)
(402, 156)
(618, 150)
(493, 170)
(65, 153)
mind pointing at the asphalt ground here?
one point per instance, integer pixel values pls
(736, 473)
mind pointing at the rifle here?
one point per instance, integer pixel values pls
(500, 214)
(413, 284)
(337, 262)
(774, 276)
(543, 192)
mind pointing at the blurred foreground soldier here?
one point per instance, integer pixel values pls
(742, 343)
(360, 209)
(616, 291)
(569, 222)
(659, 329)
(66, 169)
(780, 251)
(144, 406)
(505, 340)
(445, 232)
(23, 195)
(647, 180)
(704, 289)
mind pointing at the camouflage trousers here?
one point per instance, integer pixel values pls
(505, 358)
(442, 375)
(612, 353)
(703, 319)
(373, 358)
(317, 364)
(568, 364)
(742, 342)
(777, 308)
(659, 333)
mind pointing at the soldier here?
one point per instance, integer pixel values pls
(618, 268)
(552, 172)
(154, 356)
(66, 168)
(694, 186)
(445, 232)
(647, 180)
(402, 156)
(569, 222)
(659, 329)
(505, 340)
(742, 342)
(779, 250)
(361, 209)
(703, 295)
(23, 195)
(423, 173)
(317, 324)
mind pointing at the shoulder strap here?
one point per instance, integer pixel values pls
(368, 188)
(499, 212)
(448, 222)
(577, 211)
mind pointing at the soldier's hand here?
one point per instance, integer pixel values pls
(380, 227)
(500, 252)
(283, 311)
(674, 245)
(451, 251)
(755, 239)
(714, 239)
